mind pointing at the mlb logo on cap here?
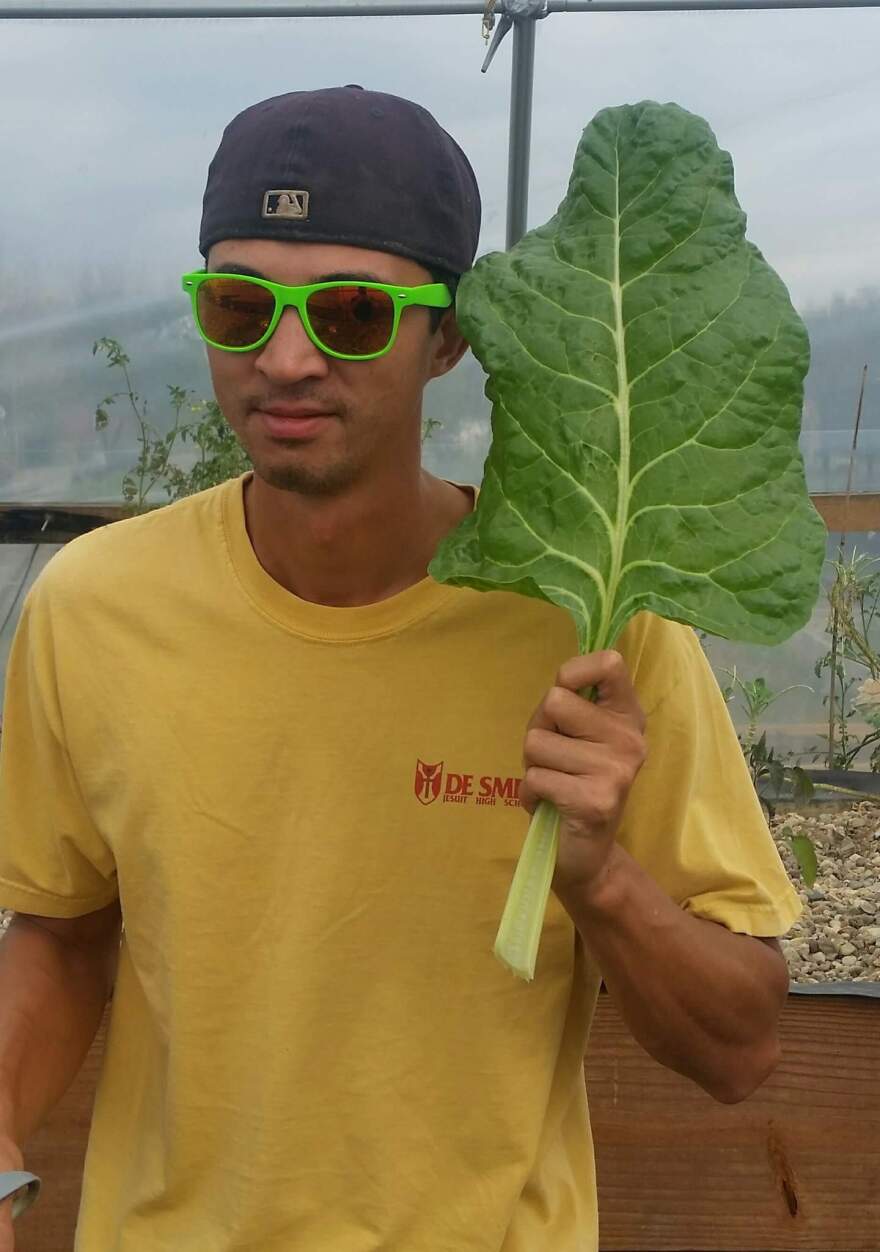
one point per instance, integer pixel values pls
(286, 204)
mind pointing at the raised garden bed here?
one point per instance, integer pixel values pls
(796, 1168)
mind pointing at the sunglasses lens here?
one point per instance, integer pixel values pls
(234, 313)
(356, 321)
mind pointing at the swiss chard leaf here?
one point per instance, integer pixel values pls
(646, 370)
(645, 367)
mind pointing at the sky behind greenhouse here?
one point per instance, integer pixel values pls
(116, 123)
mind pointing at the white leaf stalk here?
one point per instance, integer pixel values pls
(519, 934)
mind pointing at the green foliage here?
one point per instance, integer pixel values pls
(428, 427)
(646, 373)
(853, 624)
(221, 455)
(770, 776)
(758, 697)
(804, 853)
(646, 370)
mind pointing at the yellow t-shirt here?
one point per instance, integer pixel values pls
(310, 816)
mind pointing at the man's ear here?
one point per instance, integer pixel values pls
(449, 346)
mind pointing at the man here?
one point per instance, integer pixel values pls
(250, 726)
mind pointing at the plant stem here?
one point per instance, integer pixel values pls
(834, 617)
(516, 944)
(519, 935)
(845, 791)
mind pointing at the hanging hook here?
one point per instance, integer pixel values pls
(511, 11)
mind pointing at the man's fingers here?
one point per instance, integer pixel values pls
(606, 672)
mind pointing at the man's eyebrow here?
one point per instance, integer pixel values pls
(363, 276)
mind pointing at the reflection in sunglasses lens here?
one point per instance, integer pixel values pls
(233, 312)
(356, 321)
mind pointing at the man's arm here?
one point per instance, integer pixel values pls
(701, 1000)
(55, 979)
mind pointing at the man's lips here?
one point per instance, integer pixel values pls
(292, 422)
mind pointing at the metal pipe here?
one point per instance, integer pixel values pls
(212, 8)
(705, 6)
(521, 84)
(413, 8)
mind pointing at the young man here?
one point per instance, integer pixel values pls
(250, 726)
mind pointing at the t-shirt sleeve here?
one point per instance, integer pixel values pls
(53, 862)
(693, 820)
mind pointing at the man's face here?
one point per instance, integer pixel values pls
(373, 407)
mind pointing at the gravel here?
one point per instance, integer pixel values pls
(837, 939)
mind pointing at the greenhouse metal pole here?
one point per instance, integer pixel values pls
(414, 8)
(521, 91)
(701, 6)
(286, 8)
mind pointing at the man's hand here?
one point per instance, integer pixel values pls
(10, 1159)
(583, 757)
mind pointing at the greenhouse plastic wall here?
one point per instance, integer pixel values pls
(101, 218)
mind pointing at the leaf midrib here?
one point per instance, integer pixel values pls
(621, 405)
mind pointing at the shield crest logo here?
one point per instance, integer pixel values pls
(427, 782)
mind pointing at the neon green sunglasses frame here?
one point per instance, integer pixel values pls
(430, 295)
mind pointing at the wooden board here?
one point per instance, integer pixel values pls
(858, 512)
(796, 1168)
(54, 523)
(26, 523)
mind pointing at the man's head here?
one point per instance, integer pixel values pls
(324, 186)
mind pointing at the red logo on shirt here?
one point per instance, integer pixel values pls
(428, 780)
(431, 783)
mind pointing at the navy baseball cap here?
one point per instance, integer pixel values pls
(349, 166)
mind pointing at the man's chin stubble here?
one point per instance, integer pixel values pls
(304, 481)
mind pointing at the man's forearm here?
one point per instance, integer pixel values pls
(701, 1000)
(52, 998)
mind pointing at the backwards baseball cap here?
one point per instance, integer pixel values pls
(344, 165)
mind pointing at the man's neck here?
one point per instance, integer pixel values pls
(352, 550)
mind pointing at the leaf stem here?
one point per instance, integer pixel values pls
(519, 934)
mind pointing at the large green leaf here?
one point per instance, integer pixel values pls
(646, 374)
(645, 367)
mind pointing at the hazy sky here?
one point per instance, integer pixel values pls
(107, 127)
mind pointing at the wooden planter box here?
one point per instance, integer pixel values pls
(796, 1168)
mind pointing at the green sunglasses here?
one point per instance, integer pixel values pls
(353, 321)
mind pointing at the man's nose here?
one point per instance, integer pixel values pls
(290, 354)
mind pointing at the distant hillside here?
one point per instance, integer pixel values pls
(844, 338)
(50, 385)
